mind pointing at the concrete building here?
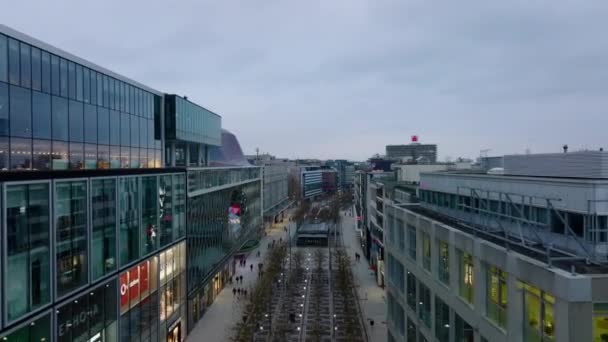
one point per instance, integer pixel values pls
(421, 153)
(275, 173)
(519, 256)
(316, 181)
(102, 205)
(346, 174)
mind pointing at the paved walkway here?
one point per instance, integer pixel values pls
(372, 297)
(220, 318)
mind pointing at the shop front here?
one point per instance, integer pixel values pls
(202, 299)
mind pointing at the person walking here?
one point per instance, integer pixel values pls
(238, 291)
(234, 291)
(251, 267)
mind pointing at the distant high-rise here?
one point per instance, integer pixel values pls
(414, 151)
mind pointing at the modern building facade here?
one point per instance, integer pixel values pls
(346, 174)
(422, 153)
(275, 173)
(93, 224)
(512, 257)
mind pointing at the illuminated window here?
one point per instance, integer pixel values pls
(466, 276)
(443, 262)
(496, 298)
(600, 322)
(539, 314)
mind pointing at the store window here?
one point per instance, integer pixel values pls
(172, 280)
(165, 193)
(71, 235)
(466, 276)
(90, 317)
(443, 262)
(600, 322)
(496, 297)
(37, 330)
(27, 249)
(539, 315)
(426, 251)
(139, 302)
(149, 207)
(129, 219)
(103, 215)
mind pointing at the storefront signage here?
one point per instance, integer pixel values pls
(78, 319)
(132, 283)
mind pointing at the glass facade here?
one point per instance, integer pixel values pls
(187, 121)
(201, 179)
(103, 219)
(37, 330)
(466, 281)
(28, 248)
(46, 97)
(539, 317)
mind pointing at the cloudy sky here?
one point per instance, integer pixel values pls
(344, 78)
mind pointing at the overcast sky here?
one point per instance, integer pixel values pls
(344, 78)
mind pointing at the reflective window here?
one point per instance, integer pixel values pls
(90, 156)
(103, 216)
(497, 295)
(60, 118)
(13, 61)
(4, 109)
(411, 290)
(86, 85)
(134, 163)
(442, 320)
(99, 89)
(103, 156)
(71, 80)
(114, 157)
(35, 331)
(76, 121)
(60, 155)
(106, 97)
(143, 132)
(26, 67)
(21, 112)
(149, 214)
(76, 156)
(70, 208)
(539, 314)
(466, 276)
(21, 153)
(93, 87)
(3, 59)
(115, 130)
(55, 75)
(90, 124)
(45, 71)
(129, 218)
(443, 262)
(166, 209)
(41, 154)
(41, 113)
(4, 153)
(36, 72)
(411, 240)
(139, 303)
(79, 85)
(28, 249)
(424, 304)
(125, 139)
(103, 125)
(125, 152)
(134, 131)
(63, 70)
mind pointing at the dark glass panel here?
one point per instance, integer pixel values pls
(86, 85)
(100, 89)
(42, 154)
(60, 118)
(134, 131)
(70, 207)
(63, 70)
(36, 71)
(103, 125)
(103, 156)
(21, 154)
(4, 153)
(41, 115)
(55, 76)
(125, 139)
(4, 109)
(125, 152)
(76, 155)
(35, 331)
(28, 246)
(60, 155)
(93, 81)
(149, 214)
(45, 71)
(90, 156)
(90, 124)
(21, 112)
(76, 121)
(79, 85)
(103, 243)
(3, 58)
(71, 80)
(106, 96)
(26, 66)
(129, 217)
(13, 61)
(114, 157)
(115, 129)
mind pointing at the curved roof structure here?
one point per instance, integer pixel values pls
(229, 154)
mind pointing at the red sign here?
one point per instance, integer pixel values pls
(132, 283)
(414, 138)
(124, 288)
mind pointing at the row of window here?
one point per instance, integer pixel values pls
(39, 154)
(25, 113)
(32, 68)
(123, 218)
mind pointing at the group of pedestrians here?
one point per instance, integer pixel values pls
(239, 291)
(239, 280)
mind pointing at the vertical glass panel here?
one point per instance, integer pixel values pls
(128, 98)
(41, 114)
(63, 70)
(115, 129)
(3, 58)
(36, 71)
(60, 118)
(125, 139)
(90, 124)
(13, 61)
(149, 214)
(86, 85)
(134, 164)
(134, 131)
(106, 95)
(143, 132)
(125, 152)
(103, 242)
(4, 109)
(103, 156)
(179, 222)
(55, 76)
(21, 112)
(76, 121)
(71, 80)
(150, 133)
(79, 84)
(100, 89)
(114, 157)
(93, 90)
(38, 330)
(4, 153)
(26, 67)
(41, 154)
(103, 125)
(70, 208)
(60, 155)
(28, 249)
(166, 209)
(21, 154)
(45, 72)
(90, 156)
(129, 217)
(76, 156)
